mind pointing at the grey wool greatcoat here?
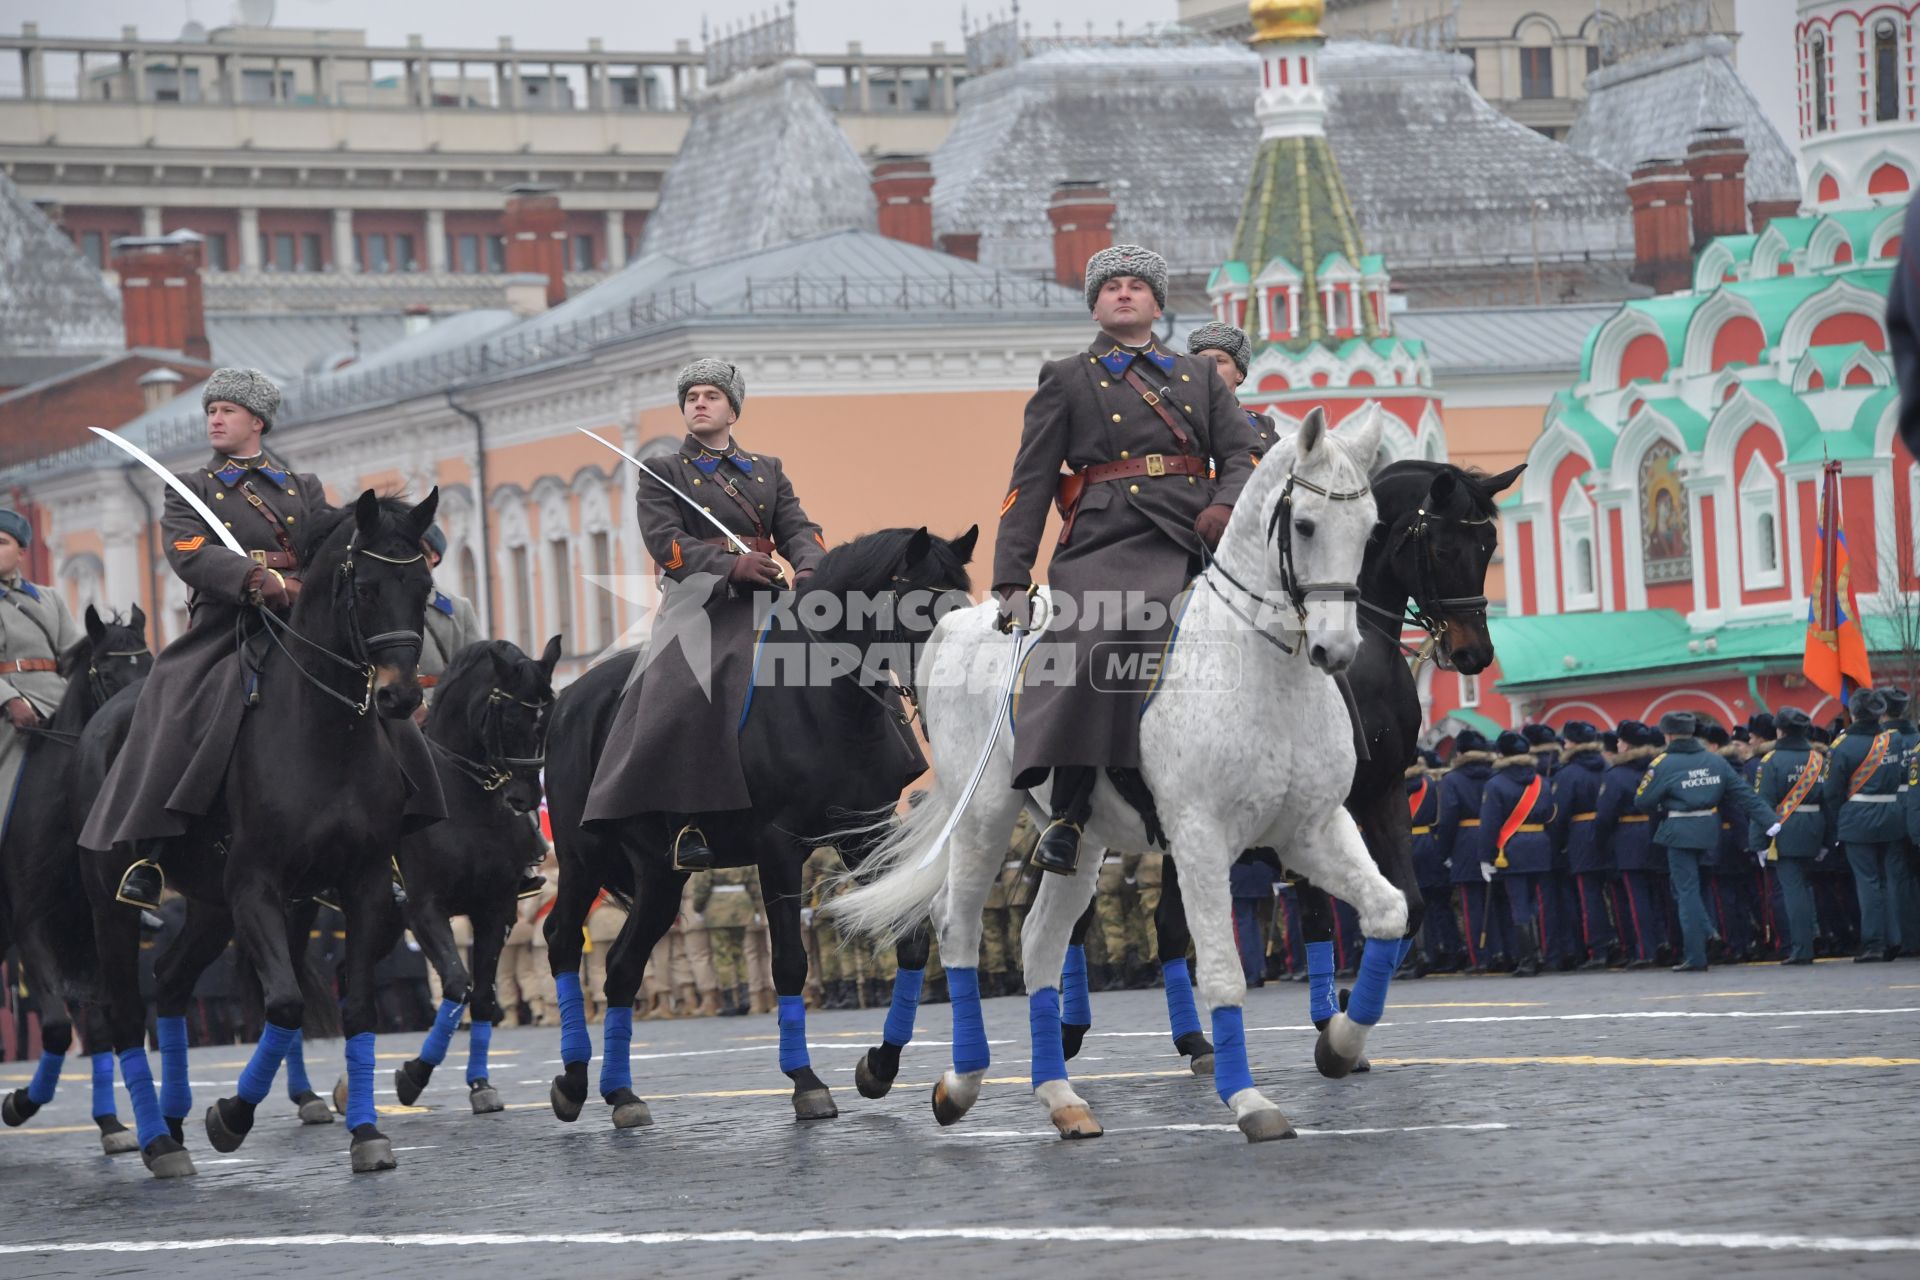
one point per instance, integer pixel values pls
(1076, 706)
(35, 628)
(452, 625)
(674, 746)
(184, 726)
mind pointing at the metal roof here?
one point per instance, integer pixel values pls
(52, 300)
(1471, 340)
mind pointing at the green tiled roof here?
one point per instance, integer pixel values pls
(1860, 224)
(1599, 439)
(1795, 231)
(1688, 421)
(1741, 247)
(1671, 312)
(1832, 362)
(1231, 272)
(1296, 207)
(1797, 422)
(1777, 298)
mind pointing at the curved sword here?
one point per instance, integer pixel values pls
(174, 483)
(731, 537)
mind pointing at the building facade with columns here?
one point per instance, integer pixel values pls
(1659, 552)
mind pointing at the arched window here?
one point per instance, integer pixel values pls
(1576, 550)
(1760, 526)
(1769, 540)
(1817, 54)
(1886, 71)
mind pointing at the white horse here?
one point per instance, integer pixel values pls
(1246, 742)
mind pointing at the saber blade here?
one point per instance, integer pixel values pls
(192, 499)
(732, 538)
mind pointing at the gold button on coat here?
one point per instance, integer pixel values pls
(1116, 417)
(1133, 488)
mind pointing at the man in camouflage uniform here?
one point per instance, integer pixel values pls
(604, 922)
(732, 901)
(837, 968)
(1117, 910)
(1000, 966)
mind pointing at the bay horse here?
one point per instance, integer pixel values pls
(43, 904)
(317, 796)
(818, 753)
(1232, 745)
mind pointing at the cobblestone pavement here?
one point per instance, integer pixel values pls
(1753, 1120)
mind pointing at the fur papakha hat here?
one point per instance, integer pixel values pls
(1127, 260)
(251, 389)
(712, 371)
(1216, 335)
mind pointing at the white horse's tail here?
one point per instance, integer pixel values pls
(896, 883)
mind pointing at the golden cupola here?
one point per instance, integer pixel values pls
(1287, 19)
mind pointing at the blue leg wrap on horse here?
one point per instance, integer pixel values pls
(176, 1091)
(1377, 963)
(1043, 1022)
(793, 1033)
(479, 1036)
(1321, 1004)
(906, 1003)
(575, 1046)
(46, 1078)
(297, 1082)
(148, 1123)
(969, 1027)
(616, 1035)
(1230, 1071)
(1182, 1016)
(359, 1079)
(1074, 1006)
(257, 1080)
(433, 1050)
(103, 1104)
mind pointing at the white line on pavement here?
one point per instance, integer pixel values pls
(1656, 1014)
(1223, 1128)
(1509, 1237)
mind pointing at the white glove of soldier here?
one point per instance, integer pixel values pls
(1486, 872)
(1773, 831)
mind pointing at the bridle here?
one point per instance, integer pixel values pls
(1427, 609)
(1280, 532)
(97, 684)
(909, 710)
(361, 648)
(495, 768)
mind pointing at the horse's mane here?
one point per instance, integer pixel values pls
(322, 528)
(868, 562)
(1484, 503)
(481, 654)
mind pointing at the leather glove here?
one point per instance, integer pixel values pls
(1211, 523)
(754, 569)
(21, 715)
(269, 589)
(1015, 607)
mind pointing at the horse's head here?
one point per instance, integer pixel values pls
(366, 585)
(1316, 511)
(1437, 555)
(911, 575)
(511, 720)
(113, 655)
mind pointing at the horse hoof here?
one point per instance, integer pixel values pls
(1076, 1122)
(1265, 1125)
(227, 1130)
(166, 1158)
(17, 1108)
(484, 1098)
(340, 1095)
(313, 1110)
(119, 1140)
(814, 1104)
(869, 1084)
(1362, 1067)
(410, 1079)
(946, 1110)
(1202, 1065)
(1330, 1063)
(565, 1106)
(371, 1155)
(1071, 1036)
(632, 1115)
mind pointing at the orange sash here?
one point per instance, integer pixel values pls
(1516, 820)
(1876, 756)
(1418, 798)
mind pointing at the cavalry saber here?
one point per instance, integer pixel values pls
(732, 538)
(174, 483)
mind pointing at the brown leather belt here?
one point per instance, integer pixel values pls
(30, 664)
(1067, 496)
(281, 560)
(763, 545)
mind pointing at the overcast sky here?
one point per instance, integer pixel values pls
(904, 26)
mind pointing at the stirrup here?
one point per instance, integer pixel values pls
(697, 864)
(1071, 866)
(120, 893)
(531, 885)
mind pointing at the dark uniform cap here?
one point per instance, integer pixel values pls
(1714, 734)
(1431, 759)
(1469, 740)
(1896, 699)
(1762, 725)
(436, 541)
(1678, 724)
(1632, 733)
(1742, 734)
(1539, 735)
(1793, 720)
(1577, 732)
(1510, 743)
(15, 525)
(1867, 704)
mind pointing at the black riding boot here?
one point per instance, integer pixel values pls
(1527, 956)
(143, 881)
(690, 851)
(1059, 847)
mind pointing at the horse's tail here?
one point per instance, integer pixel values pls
(895, 884)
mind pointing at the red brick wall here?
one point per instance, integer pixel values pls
(58, 416)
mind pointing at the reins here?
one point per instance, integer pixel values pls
(362, 647)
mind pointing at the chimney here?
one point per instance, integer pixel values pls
(903, 186)
(961, 244)
(537, 237)
(1717, 184)
(160, 292)
(417, 318)
(1082, 217)
(1662, 225)
(157, 386)
(1762, 212)
(526, 293)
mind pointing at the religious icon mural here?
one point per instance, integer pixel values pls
(1666, 548)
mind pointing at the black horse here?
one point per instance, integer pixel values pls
(315, 799)
(488, 730)
(1425, 567)
(43, 905)
(817, 753)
